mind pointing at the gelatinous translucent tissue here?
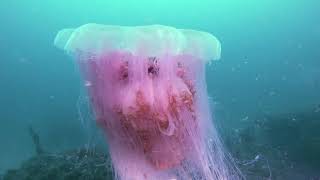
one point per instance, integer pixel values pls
(148, 91)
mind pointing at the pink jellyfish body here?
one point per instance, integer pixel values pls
(148, 91)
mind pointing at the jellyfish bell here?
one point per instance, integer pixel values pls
(147, 88)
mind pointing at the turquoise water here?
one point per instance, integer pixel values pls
(264, 91)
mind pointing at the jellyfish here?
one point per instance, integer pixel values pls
(147, 88)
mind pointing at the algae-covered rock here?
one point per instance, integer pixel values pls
(82, 164)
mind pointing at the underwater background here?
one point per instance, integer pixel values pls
(264, 92)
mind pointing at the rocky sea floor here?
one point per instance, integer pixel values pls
(81, 164)
(262, 151)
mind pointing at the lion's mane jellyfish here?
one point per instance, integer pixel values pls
(148, 91)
